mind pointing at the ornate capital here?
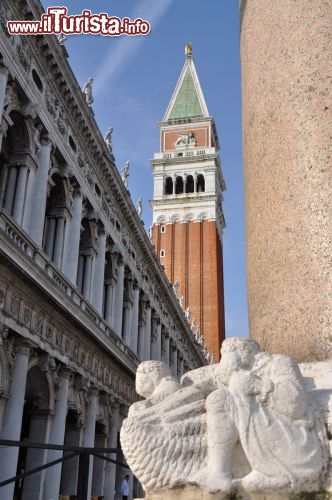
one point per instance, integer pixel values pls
(23, 346)
(47, 363)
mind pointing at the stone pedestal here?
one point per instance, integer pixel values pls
(286, 123)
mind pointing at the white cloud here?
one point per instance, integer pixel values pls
(126, 47)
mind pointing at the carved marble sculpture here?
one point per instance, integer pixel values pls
(245, 424)
(125, 174)
(87, 90)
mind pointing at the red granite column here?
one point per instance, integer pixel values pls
(287, 123)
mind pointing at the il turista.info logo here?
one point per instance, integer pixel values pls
(56, 21)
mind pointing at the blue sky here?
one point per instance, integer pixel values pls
(134, 78)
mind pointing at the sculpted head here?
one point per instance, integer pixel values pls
(239, 352)
(148, 376)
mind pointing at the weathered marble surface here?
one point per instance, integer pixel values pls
(250, 425)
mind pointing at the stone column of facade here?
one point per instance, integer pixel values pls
(134, 319)
(38, 202)
(50, 235)
(3, 86)
(87, 276)
(110, 285)
(147, 333)
(118, 299)
(99, 271)
(59, 240)
(174, 356)
(12, 420)
(127, 309)
(39, 426)
(98, 474)
(109, 299)
(284, 49)
(153, 343)
(21, 183)
(58, 426)
(69, 473)
(70, 263)
(89, 431)
(10, 189)
(158, 342)
(166, 350)
(110, 472)
(126, 322)
(181, 366)
(28, 196)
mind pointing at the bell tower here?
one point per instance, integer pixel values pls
(188, 220)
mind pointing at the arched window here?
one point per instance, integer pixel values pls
(15, 170)
(190, 184)
(200, 183)
(168, 185)
(179, 185)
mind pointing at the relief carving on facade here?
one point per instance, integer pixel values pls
(48, 328)
(245, 424)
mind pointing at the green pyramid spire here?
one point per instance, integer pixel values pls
(187, 103)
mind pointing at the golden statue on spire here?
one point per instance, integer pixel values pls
(189, 49)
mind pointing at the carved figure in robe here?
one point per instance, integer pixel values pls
(251, 407)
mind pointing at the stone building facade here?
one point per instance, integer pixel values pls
(83, 297)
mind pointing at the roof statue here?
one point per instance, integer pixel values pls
(87, 90)
(189, 49)
(108, 139)
(125, 174)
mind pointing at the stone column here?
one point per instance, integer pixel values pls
(147, 333)
(126, 322)
(166, 348)
(140, 346)
(58, 243)
(110, 473)
(181, 367)
(69, 473)
(39, 428)
(174, 354)
(28, 197)
(12, 420)
(98, 474)
(99, 272)
(90, 427)
(50, 235)
(70, 264)
(118, 299)
(174, 184)
(158, 342)
(286, 123)
(87, 276)
(109, 299)
(38, 202)
(58, 426)
(134, 319)
(3, 86)
(20, 193)
(10, 189)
